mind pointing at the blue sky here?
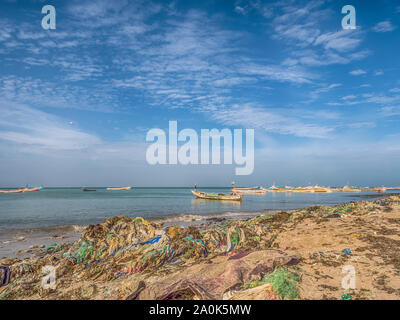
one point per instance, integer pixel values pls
(76, 102)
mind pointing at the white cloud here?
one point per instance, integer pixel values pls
(384, 26)
(273, 120)
(391, 111)
(278, 73)
(344, 40)
(358, 125)
(357, 72)
(240, 10)
(349, 97)
(36, 129)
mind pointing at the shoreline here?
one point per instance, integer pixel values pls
(14, 235)
(310, 243)
(20, 242)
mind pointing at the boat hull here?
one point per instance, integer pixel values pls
(229, 197)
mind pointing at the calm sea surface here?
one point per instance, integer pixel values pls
(71, 206)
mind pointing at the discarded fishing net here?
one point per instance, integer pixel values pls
(215, 280)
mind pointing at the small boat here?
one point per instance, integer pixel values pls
(322, 189)
(217, 196)
(303, 190)
(120, 188)
(86, 189)
(380, 190)
(250, 191)
(34, 189)
(272, 188)
(13, 191)
(350, 189)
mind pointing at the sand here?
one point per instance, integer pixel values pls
(375, 254)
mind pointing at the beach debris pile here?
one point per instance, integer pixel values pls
(122, 247)
(347, 209)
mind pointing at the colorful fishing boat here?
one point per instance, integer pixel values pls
(217, 196)
(350, 189)
(119, 188)
(380, 190)
(272, 188)
(13, 191)
(249, 191)
(34, 189)
(303, 190)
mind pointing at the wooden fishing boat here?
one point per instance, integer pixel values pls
(217, 196)
(247, 188)
(13, 191)
(323, 190)
(87, 189)
(303, 190)
(283, 190)
(249, 191)
(120, 188)
(34, 189)
(272, 188)
(350, 189)
(380, 190)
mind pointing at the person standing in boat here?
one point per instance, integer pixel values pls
(195, 186)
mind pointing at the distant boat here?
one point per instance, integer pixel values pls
(86, 189)
(249, 190)
(380, 190)
(34, 189)
(350, 189)
(120, 188)
(217, 196)
(13, 191)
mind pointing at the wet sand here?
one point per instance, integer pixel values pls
(24, 243)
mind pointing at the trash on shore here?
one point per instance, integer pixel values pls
(4, 276)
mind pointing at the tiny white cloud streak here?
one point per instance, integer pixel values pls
(271, 120)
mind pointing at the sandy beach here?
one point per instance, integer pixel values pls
(289, 255)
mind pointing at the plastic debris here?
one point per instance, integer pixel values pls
(346, 297)
(346, 251)
(5, 276)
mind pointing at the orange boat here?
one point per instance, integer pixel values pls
(380, 190)
(120, 188)
(13, 191)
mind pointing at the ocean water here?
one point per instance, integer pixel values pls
(71, 206)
